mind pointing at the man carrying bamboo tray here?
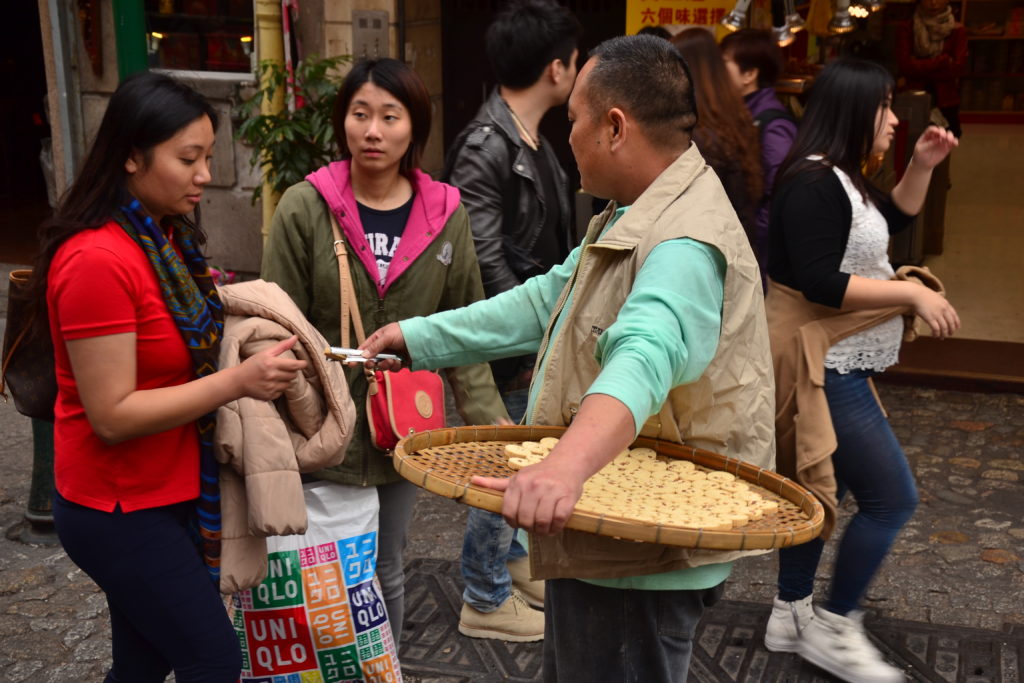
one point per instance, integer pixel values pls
(655, 326)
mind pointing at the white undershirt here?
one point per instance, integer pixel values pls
(866, 255)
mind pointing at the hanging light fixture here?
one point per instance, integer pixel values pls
(794, 21)
(783, 35)
(841, 21)
(786, 21)
(871, 6)
(737, 18)
(153, 42)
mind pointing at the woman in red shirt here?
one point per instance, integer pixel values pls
(136, 323)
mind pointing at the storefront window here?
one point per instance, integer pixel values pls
(200, 35)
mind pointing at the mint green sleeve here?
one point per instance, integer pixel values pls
(666, 333)
(509, 324)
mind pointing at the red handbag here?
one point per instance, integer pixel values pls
(398, 403)
(402, 403)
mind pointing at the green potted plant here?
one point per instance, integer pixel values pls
(299, 139)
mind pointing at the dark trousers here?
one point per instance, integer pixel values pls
(870, 464)
(592, 633)
(165, 612)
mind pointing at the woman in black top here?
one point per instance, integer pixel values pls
(828, 240)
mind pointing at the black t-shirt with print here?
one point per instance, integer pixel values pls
(384, 230)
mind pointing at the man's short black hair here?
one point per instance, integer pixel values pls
(648, 79)
(526, 36)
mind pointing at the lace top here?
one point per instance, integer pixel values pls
(866, 255)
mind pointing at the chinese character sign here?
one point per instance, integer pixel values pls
(640, 13)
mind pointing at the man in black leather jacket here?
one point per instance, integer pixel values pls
(517, 197)
(500, 162)
(494, 168)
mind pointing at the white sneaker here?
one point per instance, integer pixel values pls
(840, 646)
(787, 622)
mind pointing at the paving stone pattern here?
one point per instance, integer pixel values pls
(948, 604)
(728, 644)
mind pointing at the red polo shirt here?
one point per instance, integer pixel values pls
(101, 283)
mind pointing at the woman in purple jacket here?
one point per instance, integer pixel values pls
(754, 61)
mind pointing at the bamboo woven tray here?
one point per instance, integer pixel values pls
(443, 461)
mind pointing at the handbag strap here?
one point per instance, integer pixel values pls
(349, 303)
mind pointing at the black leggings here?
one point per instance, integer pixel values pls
(165, 612)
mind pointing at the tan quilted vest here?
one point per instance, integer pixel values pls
(729, 410)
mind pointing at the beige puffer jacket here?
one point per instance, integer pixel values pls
(263, 451)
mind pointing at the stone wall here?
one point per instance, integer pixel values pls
(229, 217)
(421, 47)
(423, 53)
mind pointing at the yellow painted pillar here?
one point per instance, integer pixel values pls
(270, 46)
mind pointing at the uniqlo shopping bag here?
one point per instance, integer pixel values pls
(319, 616)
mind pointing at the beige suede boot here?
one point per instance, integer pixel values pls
(533, 591)
(515, 621)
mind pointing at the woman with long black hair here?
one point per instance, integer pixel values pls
(136, 323)
(832, 298)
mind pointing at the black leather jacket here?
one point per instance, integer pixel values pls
(493, 169)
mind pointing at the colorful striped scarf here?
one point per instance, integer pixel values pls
(195, 306)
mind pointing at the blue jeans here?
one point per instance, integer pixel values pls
(870, 464)
(592, 633)
(165, 612)
(489, 544)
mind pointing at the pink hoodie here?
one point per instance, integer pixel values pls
(433, 204)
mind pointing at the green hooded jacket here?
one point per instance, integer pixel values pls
(439, 273)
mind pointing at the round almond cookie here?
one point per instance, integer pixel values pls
(644, 515)
(718, 524)
(685, 485)
(549, 442)
(737, 516)
(535, 447)
(644, 453)
(687, 521)
(720, 476)
(515, 450)
(519, 463)
(591, 506)
(755, 513)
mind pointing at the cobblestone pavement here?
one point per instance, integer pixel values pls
(959, 563)
(960, 560)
